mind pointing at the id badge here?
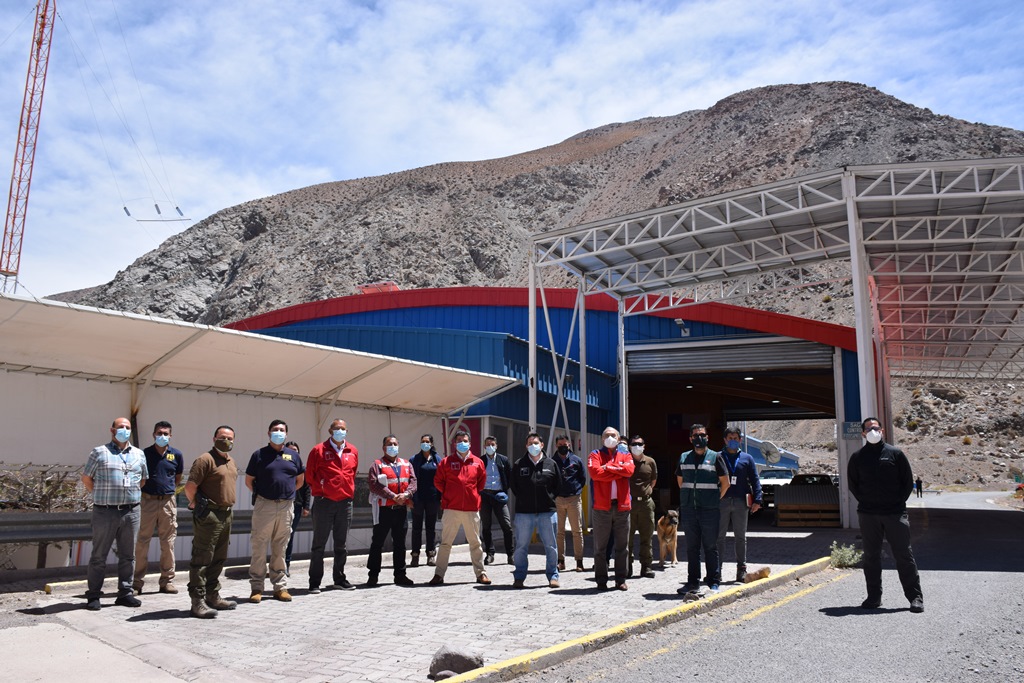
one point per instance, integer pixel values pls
(127, 480)
(732, 481)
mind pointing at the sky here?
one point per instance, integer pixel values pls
(204, 105)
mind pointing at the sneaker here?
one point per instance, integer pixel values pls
(414, 560)
(917, 605)
(713, 588)
(483, 579)
(93, 605)
(553, 583)
(404, 581)
(431, 559)
(688, 588)
(345, 585)
(283, 595)
(519, 583)
(871, 603)
(314, 590)
(489, 558)
(436, 581)
(169, 588)
(128, 601)
(255, 597)
(137, 589)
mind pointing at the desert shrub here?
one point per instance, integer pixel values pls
(967, 441)
(845, 555)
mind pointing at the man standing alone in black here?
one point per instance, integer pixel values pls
(881, 481)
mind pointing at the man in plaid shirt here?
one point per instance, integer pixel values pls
(114, 475)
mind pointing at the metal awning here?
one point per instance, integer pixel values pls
(58, 339)
(941, 245)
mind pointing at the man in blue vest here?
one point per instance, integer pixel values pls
(703, 479)
(741, 500)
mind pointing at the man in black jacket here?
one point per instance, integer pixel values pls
(494, 500)
(880, 479)
(535, 480)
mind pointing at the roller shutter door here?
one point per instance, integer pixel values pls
(696, 359)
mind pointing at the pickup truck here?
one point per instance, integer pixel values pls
(772, 477)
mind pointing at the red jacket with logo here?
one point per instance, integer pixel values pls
(460, 482)
(622, 466)
(330, 474)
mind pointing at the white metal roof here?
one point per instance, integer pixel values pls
(943, 241)
(54, 338)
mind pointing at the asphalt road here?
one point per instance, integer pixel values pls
(814, 630)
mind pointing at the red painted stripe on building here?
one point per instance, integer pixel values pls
(714, 313)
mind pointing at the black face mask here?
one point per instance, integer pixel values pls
(700, 441)
(563, 450)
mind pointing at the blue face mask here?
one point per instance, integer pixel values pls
(534, 449)
(622, 448)
(123, 434)
(339, 435)
(732, 444)
(425, 447)
(490, 450)
(462, 447)
(162, 440)
(392, 451)
(278, 437)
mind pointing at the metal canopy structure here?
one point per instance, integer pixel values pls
(56, 339)
(935, 249)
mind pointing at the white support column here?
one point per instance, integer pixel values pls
(581, 305)
(845, 447)
(532, 371)
(861, 304)
(623, 390)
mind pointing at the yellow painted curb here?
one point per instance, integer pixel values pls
(556, 654)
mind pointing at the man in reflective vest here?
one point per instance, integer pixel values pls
(392, 485)
(703, 479)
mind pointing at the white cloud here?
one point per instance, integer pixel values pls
(245, 98)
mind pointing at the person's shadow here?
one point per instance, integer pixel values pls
(853, 610)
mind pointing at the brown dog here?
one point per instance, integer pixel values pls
(668, 529)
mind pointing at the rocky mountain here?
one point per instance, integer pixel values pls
(469, 223)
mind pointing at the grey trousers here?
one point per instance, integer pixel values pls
(110, 526)
(735, 510)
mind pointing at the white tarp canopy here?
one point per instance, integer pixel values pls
(62, 340)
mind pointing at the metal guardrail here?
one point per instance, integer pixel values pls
(54, 527)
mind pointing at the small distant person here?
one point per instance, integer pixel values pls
(425, 502)
(919, 487)
(392, 485)
(211, 493)
(274, 474)
(114, 474)
(460, 479)
(331, 469)
(494, 500)
(159, 509)
(641, 513)
(303, 501)
(569, 502)
(610, 470)
(741, 499)
(880, 479)
(703, 479)
(535, 485)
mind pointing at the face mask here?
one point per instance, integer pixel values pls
(490, 450)
(223, 445)
(610, 442)
(278, 437)
(873, 436)
(462, 447)
(637, 450)
(700, 441)
(563, 450)
(162, 440)
(123, 434)
(339, 435)
(732, 444)
(425, 447)
(622, 448)
(534, 449)
(392, 451)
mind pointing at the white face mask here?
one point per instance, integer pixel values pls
(610, 442)
(534, 450)
(637, 450)
(874, 435)
(490, 450)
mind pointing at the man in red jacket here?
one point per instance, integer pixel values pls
(331, 473)
(460, 478)
(610, 470)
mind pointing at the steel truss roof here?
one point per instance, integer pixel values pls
(943, 241)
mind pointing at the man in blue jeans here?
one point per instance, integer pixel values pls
(535, 480)
(703, 479)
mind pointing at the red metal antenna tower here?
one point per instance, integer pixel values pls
(25, 152)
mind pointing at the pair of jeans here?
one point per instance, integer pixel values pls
(393, 519)
(111, 526)
(424, 511)
(735, 510)
(607, 523)
(330, 518)
(491, 506)
(544, 524)
(701, 528)
(896, 529)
